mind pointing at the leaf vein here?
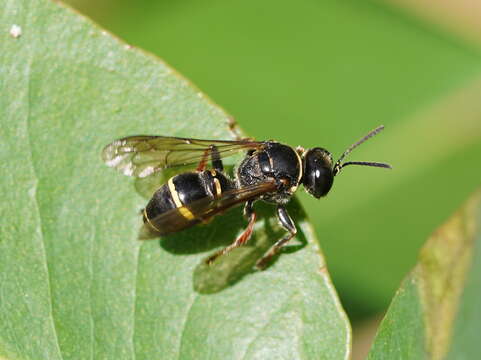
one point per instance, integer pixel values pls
(134, 317)
(268, 322)
(92, 320)
(37, 205)
(186, 320)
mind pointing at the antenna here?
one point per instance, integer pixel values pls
(339, 165)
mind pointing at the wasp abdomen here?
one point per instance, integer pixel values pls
(188, 187)
(176, 196)
(161, 202)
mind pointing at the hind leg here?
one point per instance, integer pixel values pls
(243, 238)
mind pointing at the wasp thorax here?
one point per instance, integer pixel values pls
(318, 175)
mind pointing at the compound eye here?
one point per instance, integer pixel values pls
(318, 175)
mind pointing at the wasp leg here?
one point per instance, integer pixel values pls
(243, 238)
(215, 158)
(203, 161)
(234, 128)
(287, 223)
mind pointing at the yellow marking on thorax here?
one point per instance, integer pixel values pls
(301, 170)
(184, 211)
(150, 222)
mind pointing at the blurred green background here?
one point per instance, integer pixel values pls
(323, 73)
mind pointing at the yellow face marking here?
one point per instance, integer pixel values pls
(149, 222)
(184, 211)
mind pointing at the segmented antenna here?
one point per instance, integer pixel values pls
(339, 165)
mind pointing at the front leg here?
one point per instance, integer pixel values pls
(287, 223)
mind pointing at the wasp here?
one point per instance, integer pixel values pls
(270, 171)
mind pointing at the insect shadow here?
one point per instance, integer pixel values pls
(233, 267)
(229, 269)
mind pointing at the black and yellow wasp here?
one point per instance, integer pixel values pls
(270, 171)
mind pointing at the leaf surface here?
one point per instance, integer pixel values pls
(75, 282)
(323, 73)
(435, 314)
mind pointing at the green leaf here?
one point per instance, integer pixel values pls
(75, 282)
(323, 73)
(436, 312)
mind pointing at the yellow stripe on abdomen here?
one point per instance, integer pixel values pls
(146, 217)
(184, 211)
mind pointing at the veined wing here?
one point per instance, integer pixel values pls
(143, 155)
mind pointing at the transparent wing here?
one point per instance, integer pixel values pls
(206, 208)
(143, 155)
